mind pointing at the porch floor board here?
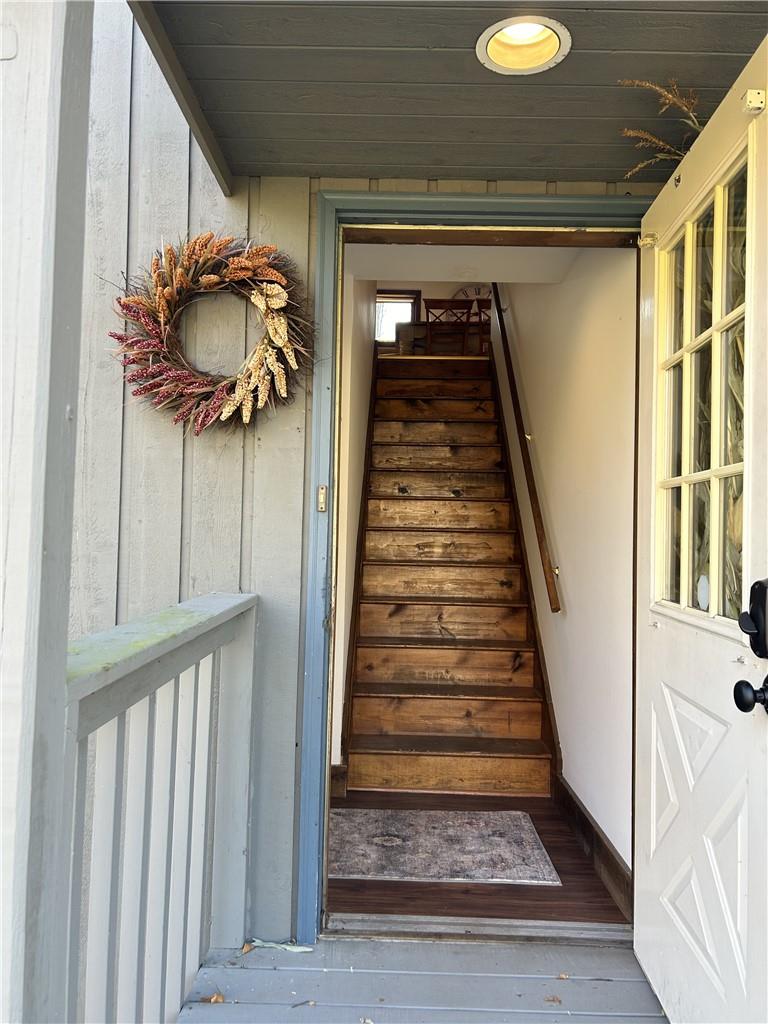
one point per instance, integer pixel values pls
(344, 981)
(582, 896)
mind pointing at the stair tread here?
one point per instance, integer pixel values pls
(448, 564)
(458, 602)
(448, 745)
(430, 498)
(439, 529)
(435, 643)
(435, 444)
(458, 691)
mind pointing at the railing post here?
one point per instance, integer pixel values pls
(46, 83)
(231, 840)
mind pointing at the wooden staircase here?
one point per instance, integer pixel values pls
(445, 684)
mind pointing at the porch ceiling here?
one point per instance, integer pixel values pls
(394, 90)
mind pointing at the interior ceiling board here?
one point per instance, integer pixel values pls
(395, 90)
(529, 264)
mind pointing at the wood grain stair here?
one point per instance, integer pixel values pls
(445, 680)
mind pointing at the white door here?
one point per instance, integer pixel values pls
(701, 804)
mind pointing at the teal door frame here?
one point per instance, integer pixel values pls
(335, 210)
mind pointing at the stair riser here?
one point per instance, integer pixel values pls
(433, 389)
(434, 409)
(509, 776)
(443, 369)
(394, 431)
(437, 485)
(448, 457)
(442, 582)
(446, 716)
(431, 665)
(441, 546)
(444, 515)
(443, 621)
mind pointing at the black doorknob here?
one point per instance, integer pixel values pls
(746, 696)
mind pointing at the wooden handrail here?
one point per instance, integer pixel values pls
(550, 577)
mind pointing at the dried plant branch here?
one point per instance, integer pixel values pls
(670, 96)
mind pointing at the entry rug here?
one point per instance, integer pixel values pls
(437, 846)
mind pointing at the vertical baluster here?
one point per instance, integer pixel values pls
(210, 807)
(103, 865)
(146, 837)
(77, 894)
(130, 963)
(166, 721)
(179, 843)
(113, 943)
(233, 786)
(199, 789)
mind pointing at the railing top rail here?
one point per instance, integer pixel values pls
(98, 660)
(550, 574)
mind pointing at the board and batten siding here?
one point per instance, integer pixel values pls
(160, 515)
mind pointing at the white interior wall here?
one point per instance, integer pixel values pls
(574, 349)
(428, 289)
(358, 313)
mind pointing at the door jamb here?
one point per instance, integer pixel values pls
(336, 209)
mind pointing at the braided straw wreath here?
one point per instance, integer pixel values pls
(154, 348)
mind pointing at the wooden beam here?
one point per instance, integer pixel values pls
(402, 234)
(162, 49)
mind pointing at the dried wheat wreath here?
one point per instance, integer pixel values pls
(154, 348)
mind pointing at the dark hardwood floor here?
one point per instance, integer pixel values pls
(581, 897)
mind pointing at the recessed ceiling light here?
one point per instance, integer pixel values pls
(523, 46)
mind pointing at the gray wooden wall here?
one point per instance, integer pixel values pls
(160, 516)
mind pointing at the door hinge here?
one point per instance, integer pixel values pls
(647, 241)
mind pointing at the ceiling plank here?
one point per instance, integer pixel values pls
(469, 129)
(162, 49)
(426, 153)
(367, 168)
(529, 99)
(436, 26)
(276, 64)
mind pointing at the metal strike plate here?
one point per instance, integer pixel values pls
(753, 101)
(322, 498)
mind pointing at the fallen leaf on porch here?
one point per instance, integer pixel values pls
(217, 997)
(307, 1002)
(287, 947)
(562, 977)
(366, 1020)
(553, 999)
(247, 947)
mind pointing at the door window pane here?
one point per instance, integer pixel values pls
(676, 279)
(672, 497)
(733, 394)
(675, 419)
(703, 285)
(700, 546)
(733, 495)
(701, 366)
(736, 243)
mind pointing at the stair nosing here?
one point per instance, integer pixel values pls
(459, 602)
(435, 643)
(537, 749)
(445, 564)
(445, 691)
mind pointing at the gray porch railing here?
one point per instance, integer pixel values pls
(159, 736)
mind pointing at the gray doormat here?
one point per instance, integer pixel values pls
(437, 846)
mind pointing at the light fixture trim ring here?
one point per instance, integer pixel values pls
(485, 38)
